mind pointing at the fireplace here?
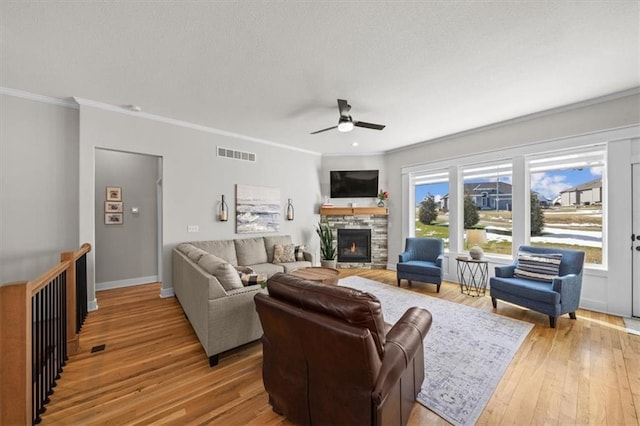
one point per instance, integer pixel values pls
(354, 245)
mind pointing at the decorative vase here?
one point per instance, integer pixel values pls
(476, 252)
(380, 203)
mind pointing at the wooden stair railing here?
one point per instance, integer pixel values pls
(39, 325)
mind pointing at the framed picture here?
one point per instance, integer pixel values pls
(114, 193)
(257, 209)
(113, 206)
(113, 218)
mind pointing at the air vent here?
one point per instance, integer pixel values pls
(98, 348)
(236, 155)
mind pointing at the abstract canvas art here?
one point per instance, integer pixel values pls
(257, 209)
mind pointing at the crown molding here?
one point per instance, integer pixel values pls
(523, 118)
(186, 124)
(38, 98)
(76, 102)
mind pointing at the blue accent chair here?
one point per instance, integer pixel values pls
(555, 298)
(421, 261)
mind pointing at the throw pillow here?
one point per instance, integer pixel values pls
(270, 243)
(283, 253)
(252, 279)
(298, 253)
(537, 266)
(244, 270)
(228, 276)
(222, 270)
(210, 262)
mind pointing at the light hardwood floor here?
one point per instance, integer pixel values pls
(154, 371)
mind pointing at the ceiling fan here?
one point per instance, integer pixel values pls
(346, 123)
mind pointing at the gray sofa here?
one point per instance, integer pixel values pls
(207, 284)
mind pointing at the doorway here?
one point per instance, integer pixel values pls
(635, 256)
(128, 194)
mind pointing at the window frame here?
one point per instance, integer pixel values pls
(496, 168)
(571, 158)
(520, 172)
(425, 177)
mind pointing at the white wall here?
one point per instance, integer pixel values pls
(353, 162)
(603, 290)
(194, 178)
(38, 186)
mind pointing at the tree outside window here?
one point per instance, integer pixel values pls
(432, 208)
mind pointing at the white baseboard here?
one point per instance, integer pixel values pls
(166, 293)
(594, 305)
(126, 283)
(92, 305)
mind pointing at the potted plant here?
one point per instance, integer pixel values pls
(327, 249)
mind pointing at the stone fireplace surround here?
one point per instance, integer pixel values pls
(374, 218)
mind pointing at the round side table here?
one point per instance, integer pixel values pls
(473, 275)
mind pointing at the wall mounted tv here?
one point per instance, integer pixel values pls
(353, 183)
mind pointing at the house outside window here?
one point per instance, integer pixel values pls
(571, 200)
(487, 189)
(431, 191)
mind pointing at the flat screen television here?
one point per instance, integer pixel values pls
(354, 183)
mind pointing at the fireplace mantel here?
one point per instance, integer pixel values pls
(353, 211)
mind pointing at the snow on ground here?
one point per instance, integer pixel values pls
(572, 225)
(570, 241)
(594, 213)
(555, 236)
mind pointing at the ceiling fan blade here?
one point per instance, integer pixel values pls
(368, 125)
(344, 108)
(324, 130)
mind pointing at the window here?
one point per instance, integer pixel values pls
(567, 201)
(487, 206)
(432, 205)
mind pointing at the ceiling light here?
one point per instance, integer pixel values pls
(345, 126)
(355, 144)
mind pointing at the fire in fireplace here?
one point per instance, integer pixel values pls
(354, 245)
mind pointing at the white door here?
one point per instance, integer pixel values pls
(635, 264)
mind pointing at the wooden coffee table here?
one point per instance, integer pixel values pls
(317, 273)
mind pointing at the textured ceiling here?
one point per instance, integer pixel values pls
(273, 70)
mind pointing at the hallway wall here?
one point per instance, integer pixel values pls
(126, 253)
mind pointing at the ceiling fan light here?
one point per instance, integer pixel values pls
(345, 126)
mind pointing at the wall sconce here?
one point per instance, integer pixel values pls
(290, 210)
(223, 214)
(475, 238)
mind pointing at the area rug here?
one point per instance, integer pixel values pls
(633, 325)
(466, 352)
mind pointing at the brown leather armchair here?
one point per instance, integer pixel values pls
(329, 359)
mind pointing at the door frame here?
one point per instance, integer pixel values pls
(635, 229)
(158, 212)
